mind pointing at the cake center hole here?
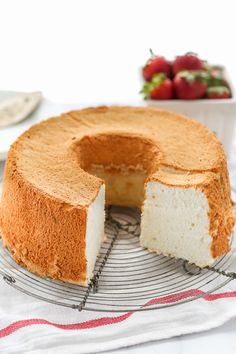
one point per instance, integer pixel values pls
(123, 161)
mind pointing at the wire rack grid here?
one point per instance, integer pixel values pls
(126, 277)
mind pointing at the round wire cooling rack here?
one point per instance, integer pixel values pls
(126, 277)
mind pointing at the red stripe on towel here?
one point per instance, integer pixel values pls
(104, 321)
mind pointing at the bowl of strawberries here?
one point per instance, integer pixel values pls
(192, 86)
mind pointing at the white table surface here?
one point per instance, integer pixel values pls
(219, 340)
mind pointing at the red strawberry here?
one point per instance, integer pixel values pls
(155, 65)
(218, 92)
(160, 88)
(189, 85)
(163, 92)
(189, 61)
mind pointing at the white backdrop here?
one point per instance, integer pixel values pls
(91, 50)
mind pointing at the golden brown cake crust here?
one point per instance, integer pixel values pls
(47, 191)
(40, 230)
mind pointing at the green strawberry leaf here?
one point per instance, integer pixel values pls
(216, 81)
(157, 80)
(187, 76)
(195, 75)
(146, 90)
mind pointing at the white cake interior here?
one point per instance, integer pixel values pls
(175, 223)
(95, 230)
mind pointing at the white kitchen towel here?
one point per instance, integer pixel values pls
(31, 326)
(28, 325)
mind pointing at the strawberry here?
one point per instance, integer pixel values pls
(189, 85)
(160, 88)
(155, 65)
(217, 80)
(218, 92)
(216, 71)
(216, 77)
(189, 61)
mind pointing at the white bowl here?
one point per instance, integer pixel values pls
(217, 114)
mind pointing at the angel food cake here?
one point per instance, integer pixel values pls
(61, 172)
